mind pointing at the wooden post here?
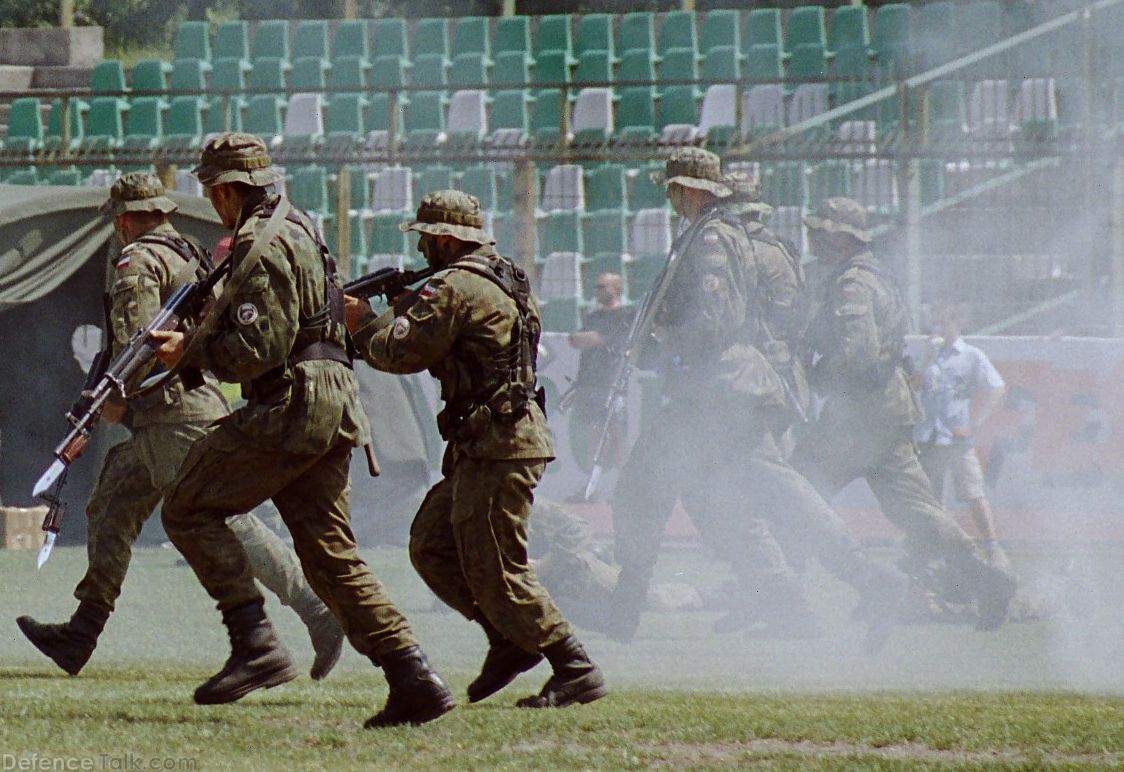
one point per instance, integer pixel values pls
(508, 8)
(524, 208)
(66, 13)
(350, 9)
(343, 221)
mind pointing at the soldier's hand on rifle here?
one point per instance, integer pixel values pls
(355, 310)
(170, 350)
(113, 410)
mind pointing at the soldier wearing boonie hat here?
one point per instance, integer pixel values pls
(839, 215)
(282, 336)
(137, 192)
(745, 196)
(693, 167)
(475, 325)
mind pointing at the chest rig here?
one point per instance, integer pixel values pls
(502, 386)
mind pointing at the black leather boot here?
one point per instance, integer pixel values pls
(995, 589)
(575, 679)
(324, 631)
(257, 658)
(417, 694)
(502, 664)
(70, 644)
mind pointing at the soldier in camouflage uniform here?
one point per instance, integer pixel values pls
(155, 261)
(712, 445)
(282, 337)
(864, 430)
(475, 326)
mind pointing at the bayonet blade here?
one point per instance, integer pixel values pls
(594, 478)
(49, 478)
(45, 550)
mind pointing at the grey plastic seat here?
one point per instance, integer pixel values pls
(563, 189)
(393, 190)
(592, 121)
(762, 109)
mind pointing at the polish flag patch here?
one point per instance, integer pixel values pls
(710, 238)
(426, 292)
(123, 262)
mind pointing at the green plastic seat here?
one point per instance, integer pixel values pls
(505, 195)
(552, 67)
(646, 194)
(263, 116)
(386, 238)
(271, 40)
(480, 181)
(429, 70)
(677, 30)
(309, 72)
(388, 71)
(849, 28)
(561, 314)
(763, 62)
(605, 231)
(348, 72)
(469, 71)
(784, 184)
(229, 74)
(546, 117)
(105, 124)
(828, 179)
(679, 64)
(151, 75)
(594, 33)
(854, 63)
(721, 65)
(512, 35)
(431, 38)
(511, 69)
(805, 27)
(344, 120)
(510, 110)
(641, 271)
(635, 121)
(68, 176)
(223, 114)
(232, 41)
(388, 37)
(470, 36)
(193, 41)
(594, 67)
(184, 122)
(357, 241)
(637, 65)
(23, 177)
(762, 27)
(808, 61)
(146, 117)
(605, 188)
(189, 75)
(108, 78)
(269, 73)
(938, 34)
(636, 32)
(892, 39)
(553, 34)
(948, 115)
(25, 125)
(980, 24)
(308, 189)
(425, 119)
(561, 231)
(678, 105)
(433, 177)
(378, 114)
(350, 39)
(720, 28)
(851, 62)
(311, 38)
(77, 110)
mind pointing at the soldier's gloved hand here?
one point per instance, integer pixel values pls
(170, 346)
(355, 311)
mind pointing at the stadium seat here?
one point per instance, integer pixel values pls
(23, 177)
(470, 70)
(875, 186)
(561, 314)
(646, 194)
(379, 120)
(467, 122)
(433, 177)
(849, 28)
(635, 120)
(762, 27)
(677, 30)
(854, 63)
(303, 128)
(594, 67)
(232, 41)
(988, 109)
(678, 115)
(470, 36)
(311, 39)
(560, 271)
(151, 75)
(349, 39)
(309, 72)
(431, 38)
(269, 73)
(641, 271)
(763, 62)
(783, 184)
(1036, 108)
(636, 32)
(189, 75)
(145, 125)
(788, 223)
(271, 40)
(511, 69)
(193, 41)
(512, 35)
(827, 179)
(108, 78)
(105, 125)
(595, 33)
(807, 61)
(606, 188)
(552, 33)
(429, 70)
(563, 189)
(947, 109)
(388, 38)
(762, 110)
(808, 100)
(263, 117)
(937, 33)
(595, 264)
(229, 74)
(721, 65)
(393, 190)
(223, 114)
(892, 40)
(344, 121)
(509, 119)
(388, 71)
(720, 29)
(679, 64)
(185, 123)
(308, 189)
(593, 117)
(604, 232)
(480, 181)
(68, 176)
(25, 126)
(805, 27)
(386, 238)
(637, 65)
(350, 72)
(979, 24)
(717, 116)
(77, 111)
(425, 120)
(552, 67)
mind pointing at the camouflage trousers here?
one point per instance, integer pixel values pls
(469, 544)
(226, 473)
(127, 492)
(836, 452)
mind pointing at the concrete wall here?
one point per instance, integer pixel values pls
(52, 47)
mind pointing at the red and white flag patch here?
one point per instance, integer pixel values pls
(426, 292)
(123, 262)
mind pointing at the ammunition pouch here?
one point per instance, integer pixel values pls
(466, 421)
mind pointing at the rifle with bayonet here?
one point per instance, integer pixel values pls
(103, 381)
(385, 282)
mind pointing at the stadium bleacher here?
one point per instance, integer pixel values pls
(549, 84)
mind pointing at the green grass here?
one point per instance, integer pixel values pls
(940, 696)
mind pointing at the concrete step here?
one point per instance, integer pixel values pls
(62, 77)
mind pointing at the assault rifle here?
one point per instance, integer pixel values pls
(385, 282)
(102, 381)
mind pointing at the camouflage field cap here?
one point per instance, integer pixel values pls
(839, 215)
(450, 213)
(693, 167)
(137, 192)
(745, 194)
(236, 157)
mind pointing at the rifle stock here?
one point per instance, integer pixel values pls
(385, 282)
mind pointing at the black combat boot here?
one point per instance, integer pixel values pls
(323, 629)
(70, 644)
(257, 658)
(883, 598)
(417, 694)
(575, 679)
(622, 617)
(502, 665)
(778, 604)
(995, 587)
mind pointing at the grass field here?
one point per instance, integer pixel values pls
(1028, 696)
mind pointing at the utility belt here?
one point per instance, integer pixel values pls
(462, 421)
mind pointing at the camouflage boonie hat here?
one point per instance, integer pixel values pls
(745, 193)
(839, 215)
(450, 213)
(236, 157)
(137, 192)
(693, 167)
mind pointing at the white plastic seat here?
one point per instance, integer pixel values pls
(650, 233)
(762, 109)
(874, 185)
(808, 101)
(563, 189)
(988, 109)
(393, 190)
(304, 116)
(560, 276)
(718, 108)
(467, 113)
(593, 114)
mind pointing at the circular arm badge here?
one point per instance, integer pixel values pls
(247, 313)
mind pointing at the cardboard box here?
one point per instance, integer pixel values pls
(21, 528)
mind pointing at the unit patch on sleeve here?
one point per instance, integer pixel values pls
(247, 313)
(401, 328)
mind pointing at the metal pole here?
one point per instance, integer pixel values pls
(909, 183)
(524, 208)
